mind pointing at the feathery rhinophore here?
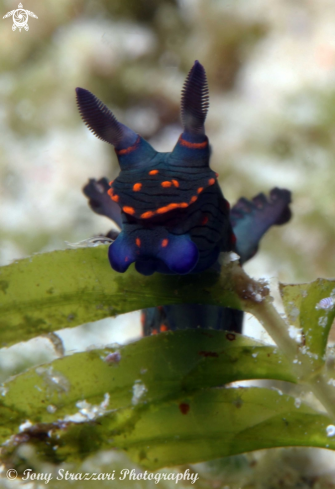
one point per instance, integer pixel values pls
(195, 100)
(101, 121)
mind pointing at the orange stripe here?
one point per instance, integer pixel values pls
(165, 242)
(153, 172)
(211, 181)
(167, 208)
(129, 149)
(183, 142)
(147, 215)
(175, 183)
(128, 210)
(110, 192)
(138, 242)
(163, 328)
(193, 199)
(115, 198)
(200, 189)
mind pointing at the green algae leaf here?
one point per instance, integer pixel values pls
(56, 290)
(153, 370)
(304, 311)
(219, 423)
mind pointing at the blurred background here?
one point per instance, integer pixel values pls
(271, 76)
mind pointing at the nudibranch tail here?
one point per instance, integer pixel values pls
(102, 122)
(195, 100)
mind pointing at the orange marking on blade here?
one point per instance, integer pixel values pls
(165, 242)
(166, 184)
(128, 210)
(111, 182)
(115, 198)
(163, 328)
(211, 181)
(193, 199)
(167, 208)
(183, 142)
(175, 183)
(146, 215)
(183, 205)
(200, 189)
(142, 318)
(110, 192)
(153, 172)
(204, 220)
(137, 187)
(138, 242)
(129, 149)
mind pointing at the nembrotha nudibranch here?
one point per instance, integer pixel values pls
(175, 218)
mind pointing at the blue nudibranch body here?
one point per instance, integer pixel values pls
(175, 218)
(172, 213)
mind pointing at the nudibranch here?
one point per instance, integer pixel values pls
(175, 219)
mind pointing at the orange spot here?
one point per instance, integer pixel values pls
(211, 181)
(110, 192)
(129, 149)
(193, 199)
(167, 208)
(137, 187)
(115, 198)
(175, 183)
(146, 215)
(200, 189)
(138, 242)
(153, 172)
(204, 220)
(163, 328)
(111, 183)
(183, 142)
(166, 184)
(165, 242)
(154, 331)
(128, 210)
(217, 175)
(183, 205)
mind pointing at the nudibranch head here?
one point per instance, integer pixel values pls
(174, 216)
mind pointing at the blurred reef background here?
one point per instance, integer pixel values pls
(271, 74)
(271, 122)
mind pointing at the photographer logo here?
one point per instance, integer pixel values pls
(20, 18)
